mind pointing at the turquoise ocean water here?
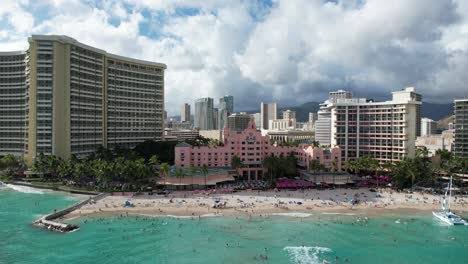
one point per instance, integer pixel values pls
(391, 238)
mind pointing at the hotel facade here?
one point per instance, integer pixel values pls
(385, 131)
(13, 103)
(461, 127)
(252, 148)
(72, 98)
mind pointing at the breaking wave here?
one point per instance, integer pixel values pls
(293, 214)
(306, 255)
(338, 214)
(24, 189)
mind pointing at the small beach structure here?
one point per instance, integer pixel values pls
(129, 204)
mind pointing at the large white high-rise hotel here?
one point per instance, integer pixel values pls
(63, 97)
(385, 131)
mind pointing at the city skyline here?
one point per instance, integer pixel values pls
(236, 53)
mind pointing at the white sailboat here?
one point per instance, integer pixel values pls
(447, 216)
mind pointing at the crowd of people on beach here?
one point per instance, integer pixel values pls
(262, 202)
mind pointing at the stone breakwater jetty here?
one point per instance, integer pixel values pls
(48, 222)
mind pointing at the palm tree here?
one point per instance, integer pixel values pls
(334, 166)
(53, 163)
(11, 163)
(388, 166)
(291, 162)
(445, 157)
(164, 170)
(40, 164)
(315, 166)
(236, 162)
(347, 165)
(205, 172)
(422, 152)
(65, 169)
(153, 161)
(180, 173)
(142, 171)
(373, 165)
(191, 171)
(271, 164)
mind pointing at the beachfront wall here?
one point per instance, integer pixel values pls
(252, 148)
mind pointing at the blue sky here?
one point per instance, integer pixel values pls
(288, 51)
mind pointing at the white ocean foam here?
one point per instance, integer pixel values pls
(211, 215)
(180, 216)
(338, 214)
(37, 216)
(293, 214)
(306, 255)
(24, 189)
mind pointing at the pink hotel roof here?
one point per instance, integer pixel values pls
(252, 148)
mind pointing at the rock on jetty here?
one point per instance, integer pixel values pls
(55, 226)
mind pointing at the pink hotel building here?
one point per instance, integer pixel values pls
(251, 147)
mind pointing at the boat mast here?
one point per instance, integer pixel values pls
(450, 193)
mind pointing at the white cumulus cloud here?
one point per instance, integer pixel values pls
(289, 51)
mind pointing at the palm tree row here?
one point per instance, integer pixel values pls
(280, 166)
(118, 170)
(410, 171)
(362, 165)
(109, 170)
(10, 165)
(102, 172)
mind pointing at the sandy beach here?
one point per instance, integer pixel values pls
(255, 203)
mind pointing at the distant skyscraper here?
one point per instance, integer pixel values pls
(238, 122)
(215, 118)
(204, 113)
(323, 125)
(312, 118)
(185, 113)
(288, 122)
(267, 113)
(225, 108)
(165, 115)
(288, 114)
(428, 127)
(256, 118)
(310, 124)
(461, 127)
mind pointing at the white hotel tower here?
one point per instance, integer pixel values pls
(385, 131)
